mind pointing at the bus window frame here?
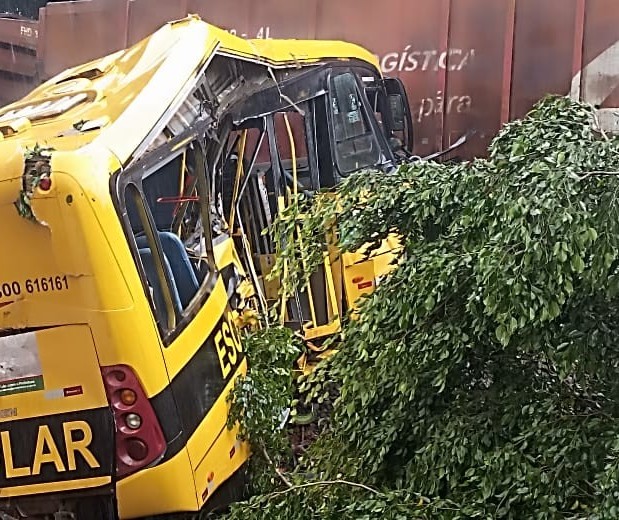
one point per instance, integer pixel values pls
(377, 88)
(395, 86)
(386, 154)
(307, 110)
(247, 169)
(248, 247)
(312, 144)
(215, 150)
(146, 219)
(279, 182)
(134, 175)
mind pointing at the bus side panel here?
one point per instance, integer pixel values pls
(225, 457)
(58, 428)
(205, 378)
(166, 488)
(203, 362)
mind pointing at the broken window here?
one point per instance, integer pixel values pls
(256, 194)
(292, 125)
(223, 83)
(168, 211)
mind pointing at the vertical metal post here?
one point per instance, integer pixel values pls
(579, 43)
(444, 43)
(508, 60)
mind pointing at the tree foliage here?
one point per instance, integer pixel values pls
(260, 401)
(481, 378)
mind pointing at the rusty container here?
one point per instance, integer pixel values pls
(468, 65)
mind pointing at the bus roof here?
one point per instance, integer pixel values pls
(288, 53)
(128, 92)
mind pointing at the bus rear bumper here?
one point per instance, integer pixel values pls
(92, 503)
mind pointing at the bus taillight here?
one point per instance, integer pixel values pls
(139, 438)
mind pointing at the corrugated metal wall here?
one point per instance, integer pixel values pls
(468, 65)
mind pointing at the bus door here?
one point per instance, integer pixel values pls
(169, 215)
(358, 141)
(316, 310)
(281, 153)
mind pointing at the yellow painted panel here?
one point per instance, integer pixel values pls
(214, 424)
(68, 268)
(181, 350)
(363, 271)
(322, 330)
(54, 487)
(166, 488)
(226, 456)
(67, 359)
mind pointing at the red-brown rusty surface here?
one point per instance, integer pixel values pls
(77, 32)
(600, 77)
(468, 65)
(233, 15)
(473, 97)
(409, 48)
(144, 19)
(20, 33)
(543, 51)
(18, 60)
(16, 87)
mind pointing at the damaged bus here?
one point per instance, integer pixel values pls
(133, 192)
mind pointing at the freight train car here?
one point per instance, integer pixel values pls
(468, 65)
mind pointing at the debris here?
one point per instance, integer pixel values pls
(36, 168)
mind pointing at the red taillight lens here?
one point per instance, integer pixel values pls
(128, 397)
(45, 183)
(139, 438)
(137, 449)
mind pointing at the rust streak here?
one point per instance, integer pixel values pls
(579, 33)
(508, 59)
(442, 74)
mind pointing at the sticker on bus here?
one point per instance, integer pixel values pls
(20, 366)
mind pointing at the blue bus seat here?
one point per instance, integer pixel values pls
(148, 262)
(184, 275)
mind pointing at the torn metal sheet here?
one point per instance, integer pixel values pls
(37, 167)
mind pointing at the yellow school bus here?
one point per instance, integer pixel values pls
(121, 289)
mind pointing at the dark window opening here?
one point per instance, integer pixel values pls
(166, 210)
(297, 126)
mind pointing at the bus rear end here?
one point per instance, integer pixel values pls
(56, 427)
